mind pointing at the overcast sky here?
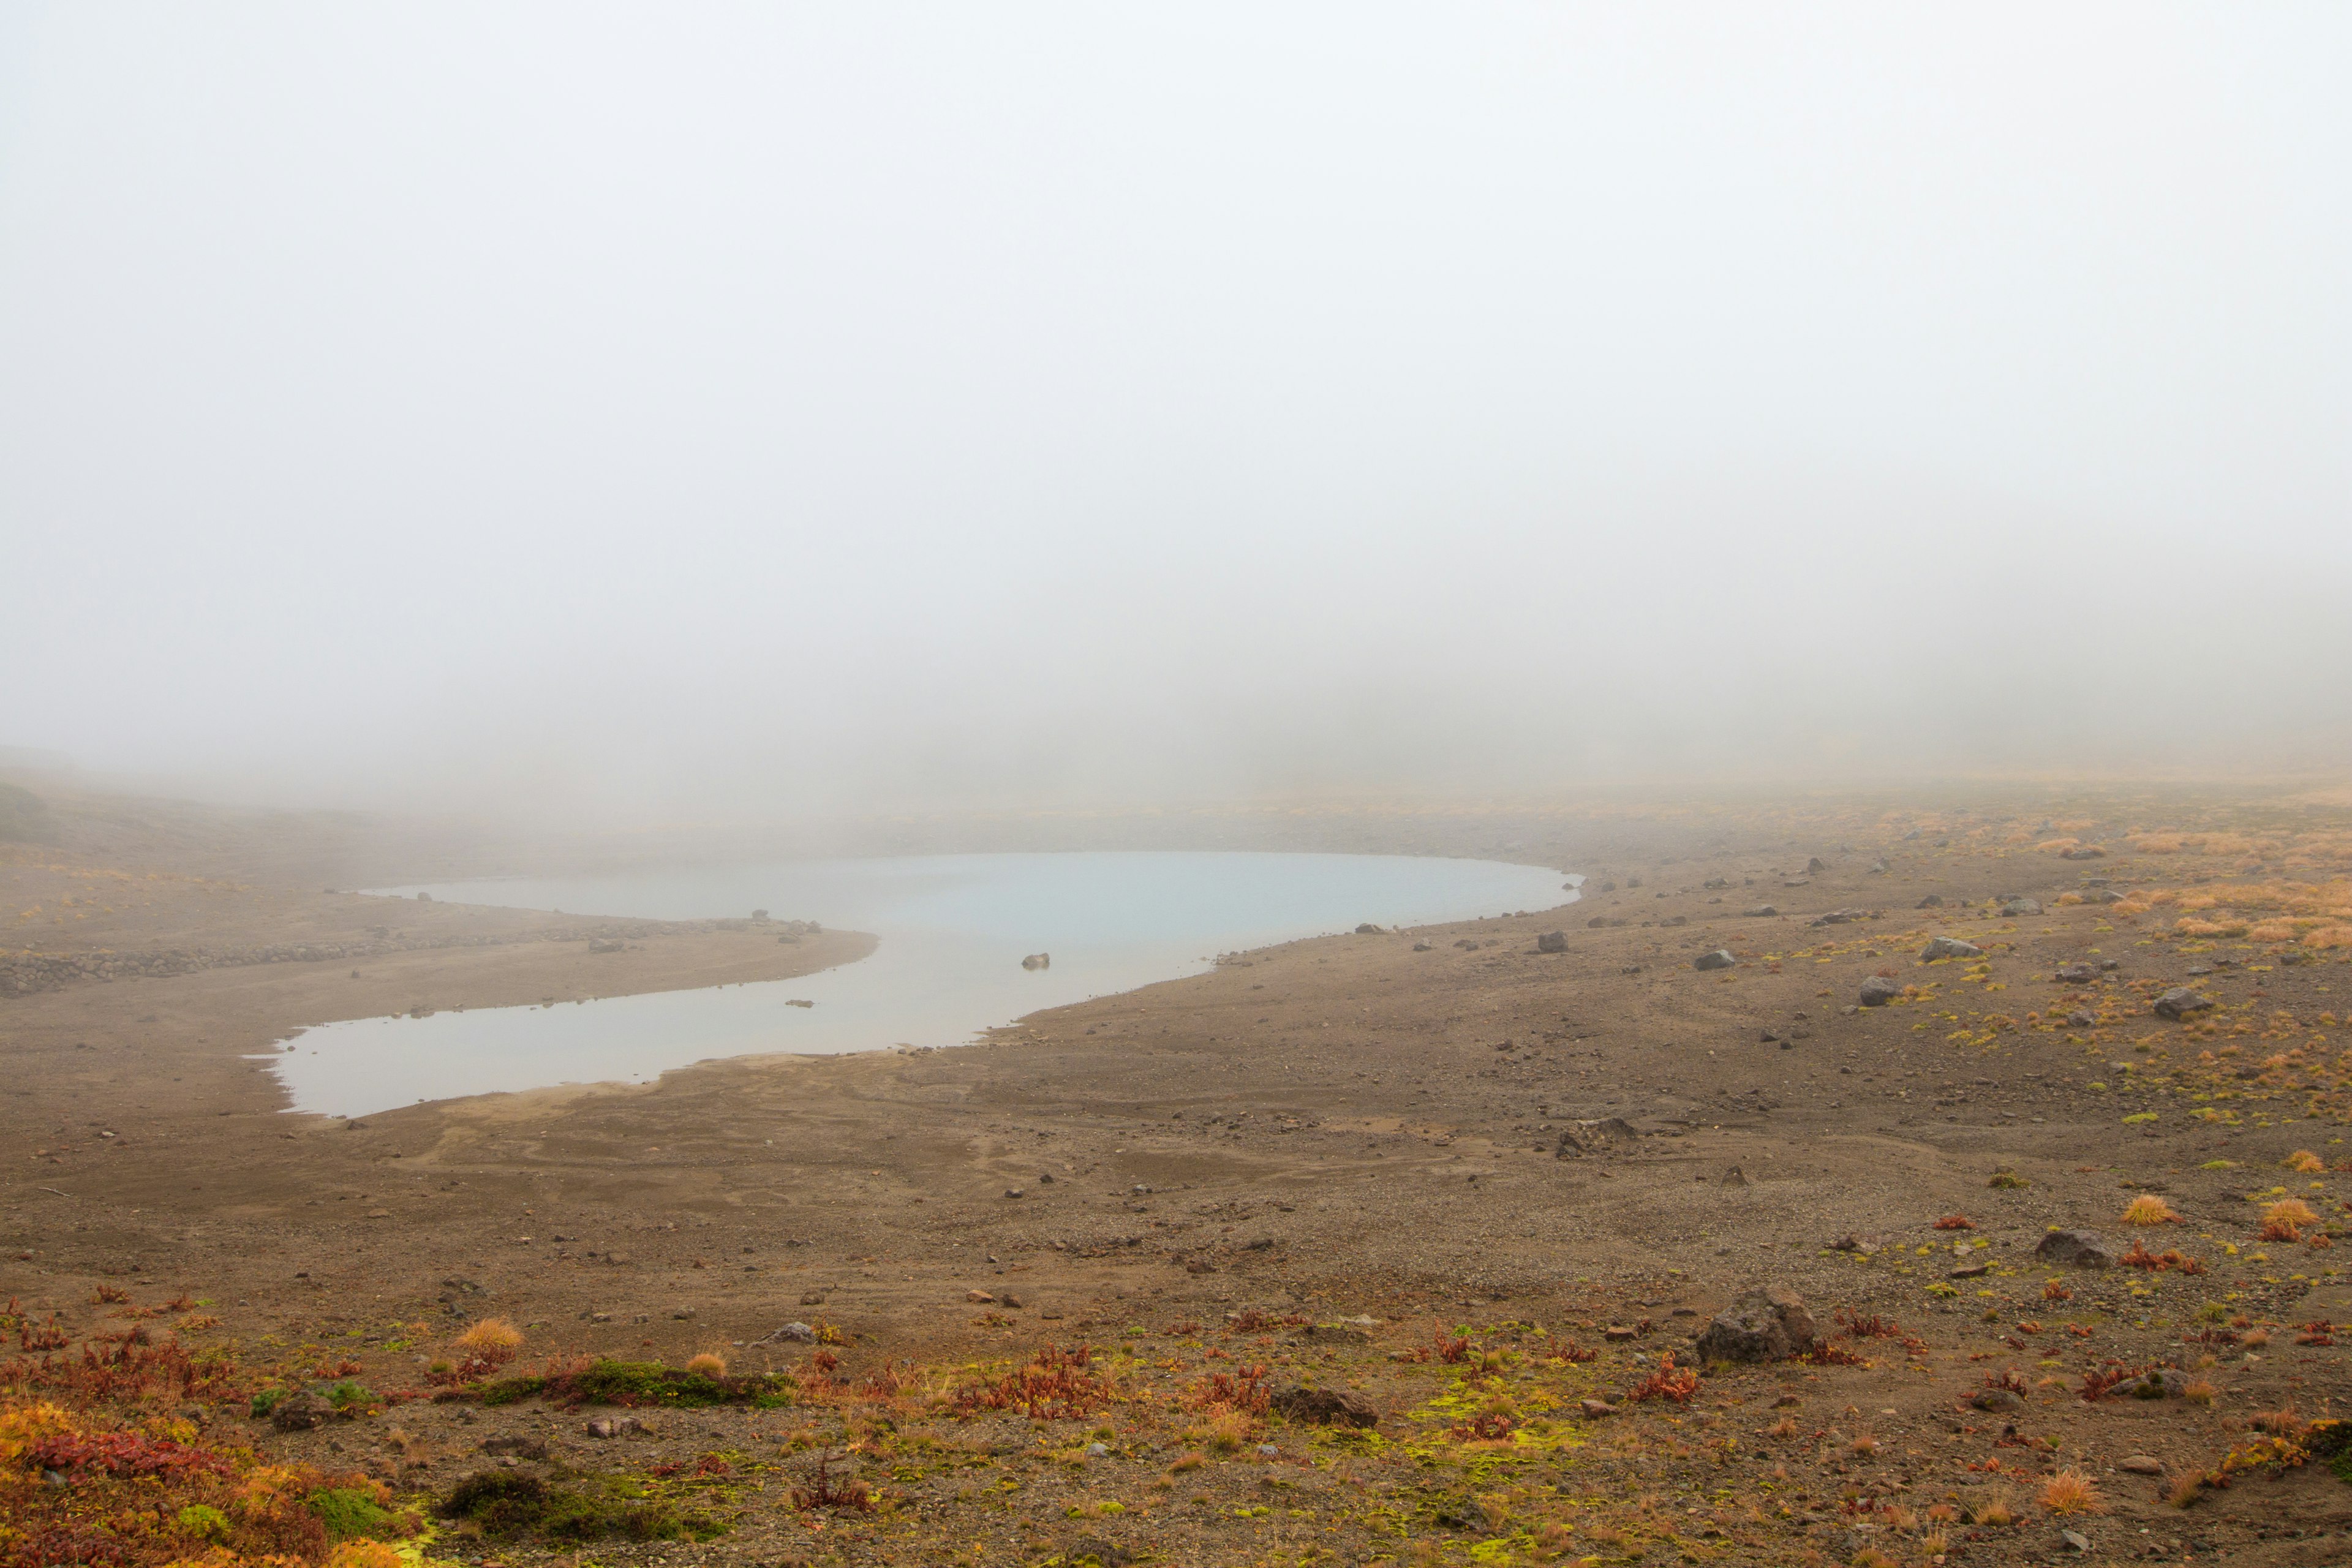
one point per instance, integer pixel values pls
(643, 408)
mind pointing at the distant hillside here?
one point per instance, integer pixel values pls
(23, 816)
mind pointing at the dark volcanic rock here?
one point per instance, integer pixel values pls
(2179, 1002)
(2081, 1248)
(300, 1412)
(1878, 991)
(1719, 959)
(1325, 1407)
(1771, 1324)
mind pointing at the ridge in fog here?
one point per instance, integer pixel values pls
(741, 411)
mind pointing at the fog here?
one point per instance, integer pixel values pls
(631, 410)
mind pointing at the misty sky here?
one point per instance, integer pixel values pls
(661, 409)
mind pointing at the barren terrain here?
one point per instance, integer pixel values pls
(1488, 1190)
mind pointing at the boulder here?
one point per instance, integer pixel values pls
(1932, 901)
(1552, 941)
(1878, 991)
(1816, 866)
(1594, 1137)
(791, 1333)
(1719, 959)
(2179, 1002)
(1771, 1324)
(1995, 1401)
(1038, 960)
(1950, 947)
(1369, 928)
(2074, 974)
(2016, 907)
(2080, 1248)
(1325, 1407)
(300, 1411)
(1761, 912)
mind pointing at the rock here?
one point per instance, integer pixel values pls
(2074, 974)
(1325, 1407)
(521, 1447)
(300, 1412)
(1334, 1334)
(980, 1298)
(1850, 1243)
(1619, 1333)
(2179, 1002)
(1369, 928)
(1771, 1324)
(1932, 901)
(1878, 868)
(1878, 991)
(1552, 941)
(1735, 1177)
(1762, 911)
(1009, 1300)
(2080, 1018)
(2160, 1383)
(2103, 896)
(1719, 959)
(2016, 907)
(1995, 1399)
(2141, 1465)
(1095, 1549)
(1816, 866)
(1594, 1137)
(1598, 923)
(1013, 1192)
(423, 898)
(605, 944)
(2082, 852)
(2080, 1248)
(1970, 1272)
(1597, 1408)
(1038, 960)
(1421, 947)
(812, 1297)
(2074, 1540)
(791, 1333)
(1950, 947)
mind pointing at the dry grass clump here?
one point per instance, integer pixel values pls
(2200, 1392)
(489, 1344)
(2072, 1492)
(1995, 1511)
(2285, 1220)
(2056, 1291)
(2149, 1209)
(2304, 1159)
(709, 1365)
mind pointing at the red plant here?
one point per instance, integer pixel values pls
(822, 1488)
(1869, 1326)
(2138, 1256)
(106, 1293)
(1570, 1351)
(1669, 1382)
(121, 1454)
(2097, 1385)
(1244, 1390)
(1956, 1222)
(2318, 1333)
(1059, 1386)
(2009, 1379)
(1448, 1348)
(1491, 1427)
(1828, 1353)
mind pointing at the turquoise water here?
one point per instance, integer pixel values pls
(953, 931)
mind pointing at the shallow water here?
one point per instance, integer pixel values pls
(953, 930)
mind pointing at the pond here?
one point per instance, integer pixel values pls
(953, 930)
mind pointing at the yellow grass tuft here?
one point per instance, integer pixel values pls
(492, 1339)
(2304, 1159)
(1995, 1511)
(2072, 1492)
(709, 1365)
(2149, 1209)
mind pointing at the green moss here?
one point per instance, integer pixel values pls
(204, 1519)
(509, 1505)
(505, 1391)
(348, 1512)
(641, 1383)
(266, 1401)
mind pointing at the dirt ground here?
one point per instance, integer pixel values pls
(1474, 1182)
